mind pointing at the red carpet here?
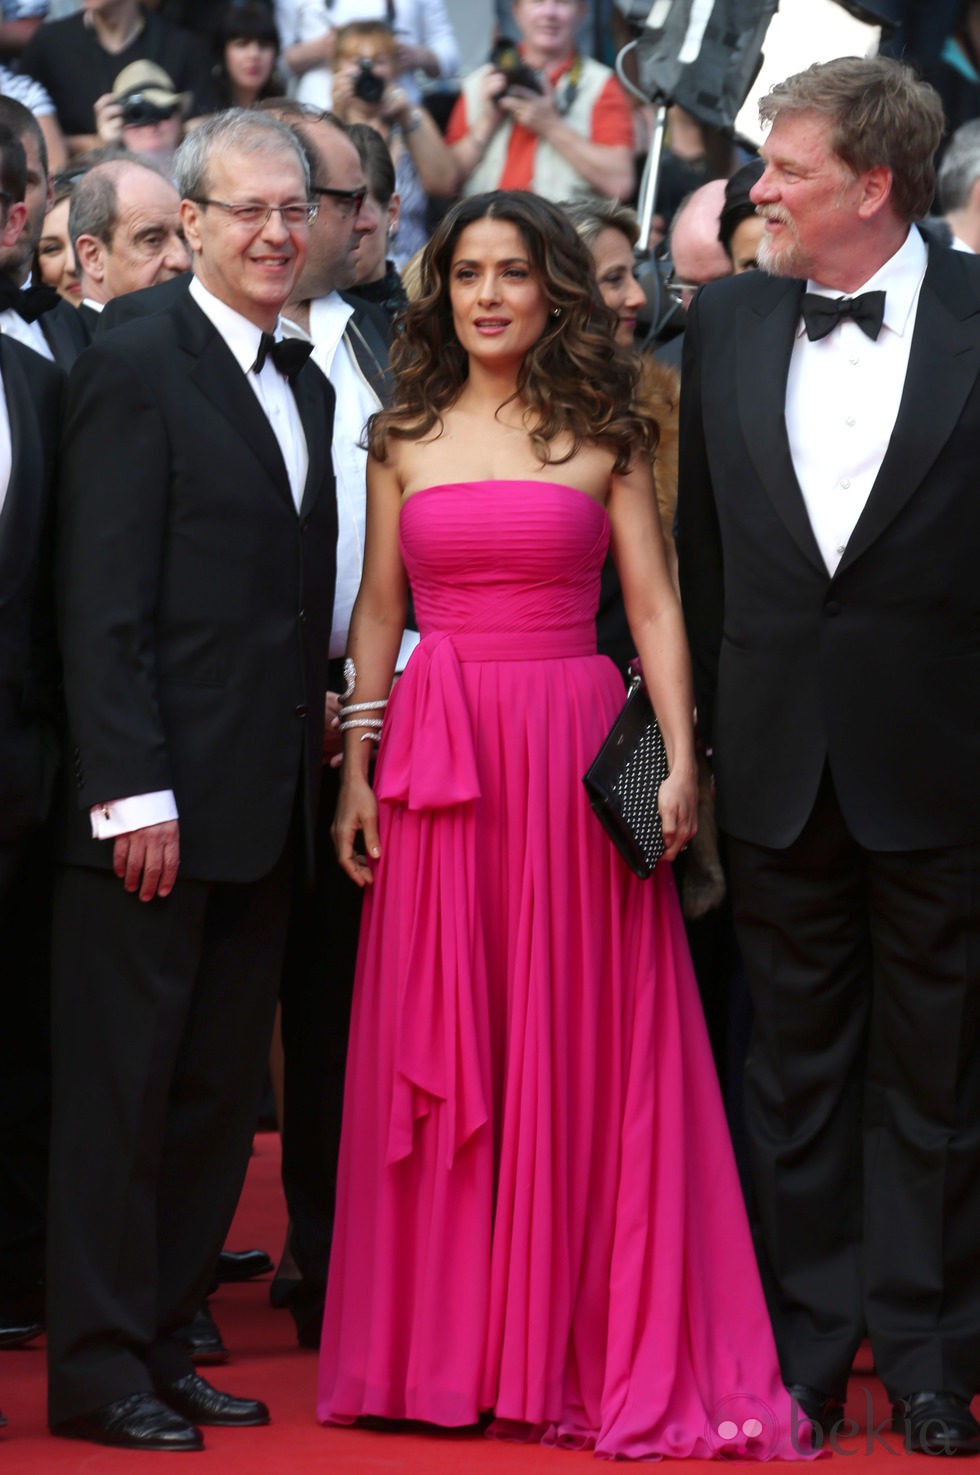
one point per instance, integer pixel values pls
(266, 1363)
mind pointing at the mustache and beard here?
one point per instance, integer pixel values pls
(781, 260)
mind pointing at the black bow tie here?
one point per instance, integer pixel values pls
(822, 314)
(29, 302)
(288, 354)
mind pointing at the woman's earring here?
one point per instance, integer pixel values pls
(556, 312)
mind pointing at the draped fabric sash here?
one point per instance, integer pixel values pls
(427, 762)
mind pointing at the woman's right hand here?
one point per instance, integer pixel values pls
(357, 813)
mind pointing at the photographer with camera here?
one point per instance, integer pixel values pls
(366, 90)
(76, 59)
(542, 116)
(144, 114)
(308, 30)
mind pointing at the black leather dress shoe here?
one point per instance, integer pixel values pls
(196, 1400)
(936, 1424)
(16, 1333)
(140, 1421)
(825, 1411)
(202, 1338)
(233, 1267)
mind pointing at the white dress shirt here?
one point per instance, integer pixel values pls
(842, 397)
(356, 400)
(272, 390)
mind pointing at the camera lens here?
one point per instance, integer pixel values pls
(368, 86)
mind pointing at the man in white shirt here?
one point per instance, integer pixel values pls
(197, 544)
(30, 395)
(829, 541)
(350, 344)
(31, 312)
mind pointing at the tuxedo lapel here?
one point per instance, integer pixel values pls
(943, 365)
(22, 505)
(317, 430)
(65, 334)
(217, 375)
(764, 337)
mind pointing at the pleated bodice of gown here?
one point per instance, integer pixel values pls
(538, 1212)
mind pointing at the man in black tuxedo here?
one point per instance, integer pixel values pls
(829, 540)
(30, 311)
(350, 344)
(30, 392)
(196, 571)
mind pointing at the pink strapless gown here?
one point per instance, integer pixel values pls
(537, 1211)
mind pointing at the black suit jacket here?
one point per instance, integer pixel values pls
(66, 333)
(28, 667)
(876, 669)
(195, 602)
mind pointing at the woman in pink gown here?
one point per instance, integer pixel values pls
(538, 1215)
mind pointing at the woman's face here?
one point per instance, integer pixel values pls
(55, 258)
(745, 243)
(249, 63)
(499, 305)
(615, 271)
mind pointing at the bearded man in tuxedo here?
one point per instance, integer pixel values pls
(30, 396)
(195, 577)
(829, 542)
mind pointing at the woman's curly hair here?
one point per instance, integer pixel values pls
(574, 381)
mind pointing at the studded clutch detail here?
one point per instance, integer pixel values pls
(623, 782)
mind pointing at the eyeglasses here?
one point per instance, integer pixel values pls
(255, 215)
(349, 201)
(677, 288)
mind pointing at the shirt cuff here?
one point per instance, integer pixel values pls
(120, 816)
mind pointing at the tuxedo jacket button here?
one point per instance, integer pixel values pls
(832, 607)
(301, 710)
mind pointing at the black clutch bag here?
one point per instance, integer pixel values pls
(623, 782)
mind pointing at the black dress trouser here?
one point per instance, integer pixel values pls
(863, 1101)
(161, 1020)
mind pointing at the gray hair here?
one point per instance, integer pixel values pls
(960, 167)
(244, 129)
(591, 217)
(880, 114)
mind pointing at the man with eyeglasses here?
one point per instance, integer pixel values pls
(697, 257)
(350, 344)
(197, 553)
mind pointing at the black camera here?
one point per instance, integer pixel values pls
(368, 86)
(138, 111)
(506, 58)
